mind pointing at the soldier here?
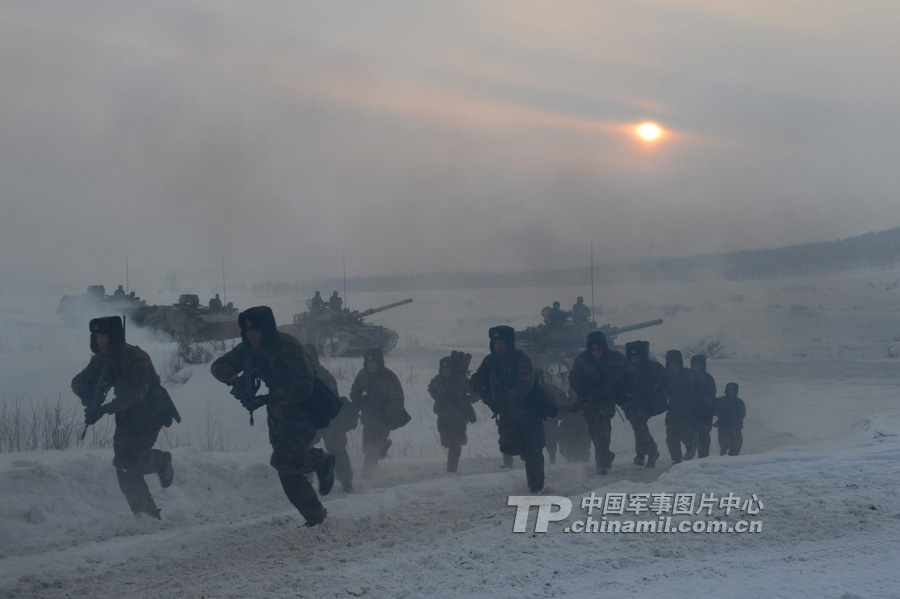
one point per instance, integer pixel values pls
(119, 293)
(334, 302)
(335, 434)
(453, 399)
(317, 303)
(644, 392)
(551, 425)
(141, 405)
(681, 427)
(597, 378)
(705, 394)
(215, 304)
(554, 316)
(580, 312)
(574, 440)
(504, 380)
(281, 362)
(377, 392)
(731, 412)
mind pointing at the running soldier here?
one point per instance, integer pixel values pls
(551, 425)
(141, 405)
(377, 392)
(705, 396)
(730, 411)
(644, 398)
(681, 424)
(504, 381)
(281, 362)
(598, 378)
(335, 434)
(453, 399)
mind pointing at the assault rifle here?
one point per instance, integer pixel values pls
(98, 396)
(247, 384)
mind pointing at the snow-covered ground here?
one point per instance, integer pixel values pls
(816, 359)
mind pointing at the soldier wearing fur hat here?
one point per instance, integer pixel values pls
(378, 394)
(141, 405)
(644, 398)
(681, 424)
(705, 394)
(504, 381)
(597, 378)
(453, 399)
(730, 411)
(335, 434)
(281, 362)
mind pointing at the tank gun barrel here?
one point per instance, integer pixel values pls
(613, 331)
(371, 311)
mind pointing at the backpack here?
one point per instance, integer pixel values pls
(323, 405)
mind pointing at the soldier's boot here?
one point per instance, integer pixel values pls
(507, 461)
(689, 452)
(347, 487)
(453, 458)
(166, 473)
(603, 467)
(316, 519)
(723, 452)
(638, 460)
(387, 446)
(325, 475)
(651, 460)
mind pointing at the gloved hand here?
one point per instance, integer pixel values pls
(94, 413)
(253, 403)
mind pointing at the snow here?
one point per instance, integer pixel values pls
(822, 454)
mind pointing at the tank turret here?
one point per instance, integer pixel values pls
(78, 310)
(341, 332)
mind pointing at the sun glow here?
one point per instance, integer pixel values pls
(648, 131)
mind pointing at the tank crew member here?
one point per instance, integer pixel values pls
(283, 364)
(377, 392)
(580, 312)
(317, 303)
(141, 405)
(730, 411)
(334, 302)
(119, 293)
(215, 304)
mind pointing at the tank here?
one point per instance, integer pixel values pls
(553, 348)
(189, 321)
(78, 310)
(342, 333)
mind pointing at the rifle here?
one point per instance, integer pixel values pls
(98, 396)
(247, 384)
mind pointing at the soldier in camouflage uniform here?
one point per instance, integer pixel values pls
(598, 380)
(504, 381)
(141, 405)
(453, 399)
(681, 424)
(335, 434)
(378, 395)
(644, 392)
(705, 393)
(283, 364)
(551, 425)
(730, 411)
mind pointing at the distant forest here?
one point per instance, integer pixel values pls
(870, 249)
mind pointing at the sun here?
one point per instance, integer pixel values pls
(648, 131)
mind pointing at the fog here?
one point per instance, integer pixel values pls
(278, 137)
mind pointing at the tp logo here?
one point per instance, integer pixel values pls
(524, 503)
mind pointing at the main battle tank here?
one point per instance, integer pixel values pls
(342, 333)
(553, 347)
(189, 321)
(77, 310)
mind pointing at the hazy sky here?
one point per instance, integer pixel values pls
(422, 136)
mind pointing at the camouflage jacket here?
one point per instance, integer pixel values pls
(378, 396)
(731, 411)
(503, 384)
(644, 387)
(453, 396)
(130, 373)
(681, 394)
(705, 392)
(285, 368)
(599, 381)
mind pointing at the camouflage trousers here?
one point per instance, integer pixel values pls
(599, 423)
(293, 458)
(704, 440)
(134, 457)
(731, 439)
(524, 436)
(453, 437)
(336, 444)
(375, 444)
(681, 429)
(644, 444)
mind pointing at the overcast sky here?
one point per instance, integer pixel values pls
(423, 136)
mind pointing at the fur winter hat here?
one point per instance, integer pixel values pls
(110, 326)
(638, 348)
(374, 353)
(503, 333)
(699, 360)
(673, 355)
(732, 386)
(596, 340)
(446, 362)
(259, 318)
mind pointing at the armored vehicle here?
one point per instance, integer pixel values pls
(342, 333)
(189, 321)
(553, 347)
(77, 310)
